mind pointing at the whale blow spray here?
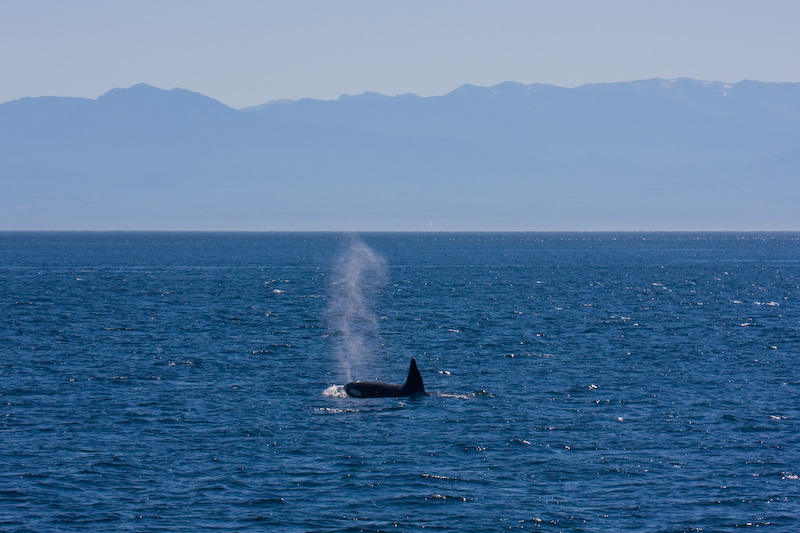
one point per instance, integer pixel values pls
(358, 274)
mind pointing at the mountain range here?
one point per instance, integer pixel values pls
(678, 154)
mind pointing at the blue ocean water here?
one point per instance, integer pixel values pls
(579, 382)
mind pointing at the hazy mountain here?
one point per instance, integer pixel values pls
(652, 154)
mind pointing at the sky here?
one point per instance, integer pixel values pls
(246, 53)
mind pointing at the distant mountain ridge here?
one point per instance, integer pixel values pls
(649, 154)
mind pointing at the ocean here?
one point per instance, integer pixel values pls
(578, 381)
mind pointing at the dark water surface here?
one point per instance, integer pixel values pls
(580, 382)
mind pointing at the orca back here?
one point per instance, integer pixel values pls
(375, 389)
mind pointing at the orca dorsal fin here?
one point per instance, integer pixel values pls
(414, 383)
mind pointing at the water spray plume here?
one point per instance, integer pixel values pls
(358, 274)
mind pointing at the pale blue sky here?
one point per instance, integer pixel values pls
(248, 52)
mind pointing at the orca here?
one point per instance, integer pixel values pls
(376, 389)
